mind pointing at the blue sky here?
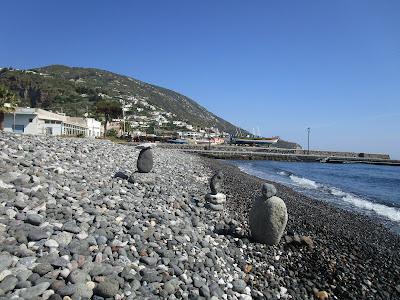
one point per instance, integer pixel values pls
(279, 66)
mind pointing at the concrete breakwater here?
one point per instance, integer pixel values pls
(279, 154)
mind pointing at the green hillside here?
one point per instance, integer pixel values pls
(75, 91)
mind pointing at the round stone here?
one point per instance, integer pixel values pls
(42, 269)
(8, 283)
(63, 238)
(145, 161)
(239, 285)
(34, 219)
(267, 220)
(218, 198)
(67, 290)
(34, 291)
(268, 190)
(216, 182)
(107, 288)
(51, 244)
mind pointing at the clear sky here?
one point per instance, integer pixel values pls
(279, 66)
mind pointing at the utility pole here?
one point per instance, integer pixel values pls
(123, 117)
(209, 138)
(308, 140)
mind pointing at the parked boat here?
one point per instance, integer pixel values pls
(212, 141)
(178, 141)
(255, 141)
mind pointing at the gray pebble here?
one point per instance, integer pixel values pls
(8, 283)
(107, 288)
(34, 291)
(239, 285)
(34, 219)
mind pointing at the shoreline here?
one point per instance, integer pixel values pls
(343, 239)
(69, 227)
(315, 193)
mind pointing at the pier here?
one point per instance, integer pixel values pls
(279, 154)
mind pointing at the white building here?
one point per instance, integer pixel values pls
(190, 134)
(94, 128)
(179, 123)
(40, 121)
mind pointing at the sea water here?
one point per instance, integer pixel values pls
(369, 189)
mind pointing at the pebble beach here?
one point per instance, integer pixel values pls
(78, 222)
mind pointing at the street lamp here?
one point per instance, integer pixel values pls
(308, 140)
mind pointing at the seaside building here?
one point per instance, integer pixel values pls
(94, 128)
(189, 134)
(39, 121)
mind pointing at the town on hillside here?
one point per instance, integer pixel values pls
(157, 126)
(67, 101)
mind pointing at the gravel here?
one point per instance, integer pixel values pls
(78, 221)
(325, 250)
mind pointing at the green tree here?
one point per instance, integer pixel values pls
(110, 110)
(8, 104)
(112, 132)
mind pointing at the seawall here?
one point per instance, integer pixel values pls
(271, 150)
(279, 154)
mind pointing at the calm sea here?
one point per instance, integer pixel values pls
(369, 189)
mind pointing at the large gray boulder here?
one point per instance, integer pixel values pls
(145, 161)
(268, 218)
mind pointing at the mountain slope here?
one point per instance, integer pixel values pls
(76, 90)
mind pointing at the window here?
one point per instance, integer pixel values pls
(19, 128)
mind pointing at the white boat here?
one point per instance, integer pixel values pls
(256, 141)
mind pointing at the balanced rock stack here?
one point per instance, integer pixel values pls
(145, 159)
(216, 199)
(268, 217)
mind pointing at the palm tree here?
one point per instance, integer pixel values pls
(110, 110)
(8, 104)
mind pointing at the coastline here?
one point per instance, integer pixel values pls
(64, 215)
(352, 252)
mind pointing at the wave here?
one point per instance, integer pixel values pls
(284, 173)
(391, 213)
(304, 182)
(345, 198)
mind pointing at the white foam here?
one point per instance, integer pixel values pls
(391, 213)
(382, 210)
(337, 192)
(304, 182)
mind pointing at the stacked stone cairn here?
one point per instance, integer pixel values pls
(145, 159)
(216, 199)
(268, 216)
